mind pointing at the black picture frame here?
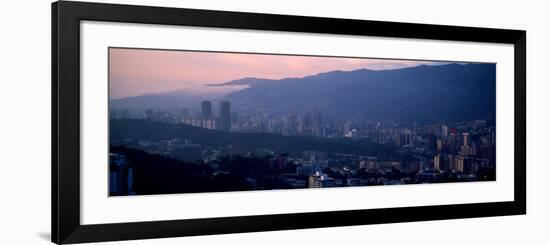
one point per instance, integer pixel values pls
(66, 17)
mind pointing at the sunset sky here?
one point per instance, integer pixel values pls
(140, 71)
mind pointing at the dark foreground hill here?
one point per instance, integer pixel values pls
(147, 130)
(155, 174)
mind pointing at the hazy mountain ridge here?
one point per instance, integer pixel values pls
(422, 93)
(452, 92)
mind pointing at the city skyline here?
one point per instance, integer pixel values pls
(406, 123)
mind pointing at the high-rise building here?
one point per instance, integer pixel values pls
(149, 114)
(121, 176)
(317, 123)
(320, 180)
(206, 109)
(439, 145)
(290, 125)
(451, 142)
(459, 164)
(437, 162)
(468, 150)
(444, 130)
(407, 137)
(403, 138)
(185, 112)
(432, 141)
(225, 116)
(307, 125)
(466, 139)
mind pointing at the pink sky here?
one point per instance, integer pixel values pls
(141, 71)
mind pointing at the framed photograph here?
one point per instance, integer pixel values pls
(174, 122)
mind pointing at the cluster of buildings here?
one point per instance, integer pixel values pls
(167, 146)
(291, 124)
(423, 152)
(459, 152)
(204, 118)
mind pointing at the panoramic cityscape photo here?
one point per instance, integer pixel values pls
(204, 121)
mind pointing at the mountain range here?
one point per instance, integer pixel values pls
(451, 92)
